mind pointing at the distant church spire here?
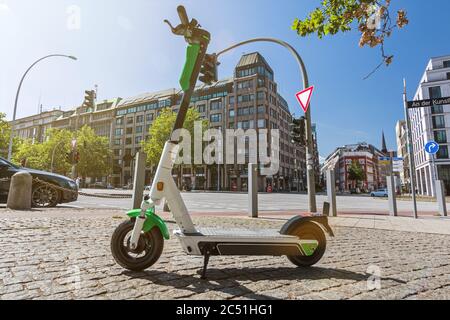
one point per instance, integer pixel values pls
(383, 143)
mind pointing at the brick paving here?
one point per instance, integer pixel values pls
(64, 254)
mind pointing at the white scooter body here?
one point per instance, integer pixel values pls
(209, 240)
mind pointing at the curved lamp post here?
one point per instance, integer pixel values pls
(18, 91)
(309, 145)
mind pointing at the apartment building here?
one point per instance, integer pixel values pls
(433, 123)
(248, 100)
(34, 127)
(368, 158)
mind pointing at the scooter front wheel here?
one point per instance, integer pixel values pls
(148, 251)
(314, 246)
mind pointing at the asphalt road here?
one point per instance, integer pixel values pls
(238, 202)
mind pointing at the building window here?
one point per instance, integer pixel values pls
(261, 109)
(118, 132)
(231, 100)
(129, 130)
(442, 153)
(119, 121)
(261, 123)
(435, 92)
(216, 105)
(261, 95)
(139, 129)
(215, 117)
(448, 75)
(130, 120)
(150, 117)
(437, 109)
(438, 122)
(246, 98)
(138, 139)
(201, 108)
(232, 113)
(245, 84)
(447, 64)
(128, 141)
(139, 119)
(117, 142)
(440, 136)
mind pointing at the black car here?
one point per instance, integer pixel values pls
(52, 190)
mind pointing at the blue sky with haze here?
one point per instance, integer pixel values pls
(126, 49)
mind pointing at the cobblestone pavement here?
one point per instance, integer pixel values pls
(55, 256)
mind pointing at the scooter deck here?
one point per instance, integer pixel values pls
(243, 233)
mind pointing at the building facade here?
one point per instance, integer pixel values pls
(34, 127)
(247, 100)
(429, 124)
(367, 156)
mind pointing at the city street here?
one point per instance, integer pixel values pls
(64, 254)
(202, 202)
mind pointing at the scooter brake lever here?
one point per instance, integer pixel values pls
(178, 30)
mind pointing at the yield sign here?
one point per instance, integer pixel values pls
(304, 97)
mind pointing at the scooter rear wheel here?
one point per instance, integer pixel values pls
(148, 251)
(309, 231)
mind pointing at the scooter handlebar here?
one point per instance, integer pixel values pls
(183, 15)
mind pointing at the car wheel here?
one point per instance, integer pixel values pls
(44, 196)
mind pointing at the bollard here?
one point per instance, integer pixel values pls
(440, 197)
(19, 196)
(253, 190)
(139, 179)
(331, 192)
(391, 196)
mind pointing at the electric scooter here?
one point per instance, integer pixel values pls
(137, 244)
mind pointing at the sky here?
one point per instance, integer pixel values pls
(125, 48)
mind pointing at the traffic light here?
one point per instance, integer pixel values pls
(209, 69)
(89, 99)
(298, 133)
(76, 157)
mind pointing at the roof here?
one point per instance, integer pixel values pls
(148, 96)
(250, 59)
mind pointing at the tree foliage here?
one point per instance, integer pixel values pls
(5, 132)
(161, 129)
(371, 17)
(356, 172)
(95, 154)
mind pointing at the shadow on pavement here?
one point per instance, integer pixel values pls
(227, 280)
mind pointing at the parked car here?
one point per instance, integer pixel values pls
(128, 186)
(379, 193)
(45, 194)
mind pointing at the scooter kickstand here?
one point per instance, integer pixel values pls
(205, 264)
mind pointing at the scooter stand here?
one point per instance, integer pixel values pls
(206, 255)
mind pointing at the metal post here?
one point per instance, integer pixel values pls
(391, 195)
(139, 179)
(309, 144)
(253, 190)
(331, 191)
(412, 169)
(440, 196)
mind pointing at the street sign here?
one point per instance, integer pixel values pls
(431, 147)
(428, 103)
(304, 97)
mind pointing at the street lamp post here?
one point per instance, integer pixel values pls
(18, 91)
(309, 143)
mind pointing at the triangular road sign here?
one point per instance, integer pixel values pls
(304, 97)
